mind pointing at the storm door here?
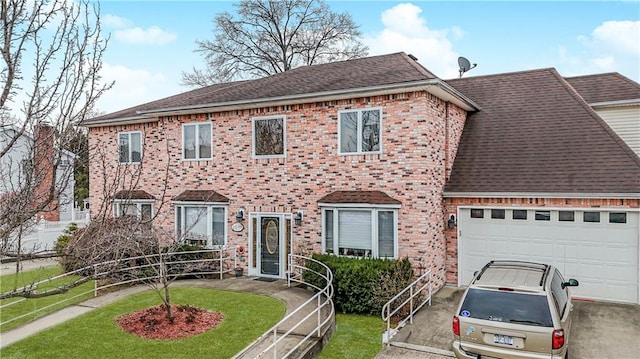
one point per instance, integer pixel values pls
(270, 244)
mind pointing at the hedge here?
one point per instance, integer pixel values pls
(362, 285)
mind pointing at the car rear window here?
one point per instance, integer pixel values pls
(507, 307)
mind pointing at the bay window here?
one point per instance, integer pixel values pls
(141, 209)
(360, 232)
(201, 225)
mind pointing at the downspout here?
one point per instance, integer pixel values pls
(446, 141)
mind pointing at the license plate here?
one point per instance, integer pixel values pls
(503, 339)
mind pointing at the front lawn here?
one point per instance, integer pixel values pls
(96, 334)
(356, 337)
(9, 282)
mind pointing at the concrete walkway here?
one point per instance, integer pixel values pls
(616, 327)
(292, 297)
(429, 337)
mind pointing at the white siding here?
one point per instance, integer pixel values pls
(625, 121)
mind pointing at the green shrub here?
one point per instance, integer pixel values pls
(63, 239)
(362, 285)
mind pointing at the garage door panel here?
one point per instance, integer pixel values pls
(602, 256)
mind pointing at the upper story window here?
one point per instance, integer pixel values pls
(130, 147)
(359, 131)
(196, 141)
(269, 137)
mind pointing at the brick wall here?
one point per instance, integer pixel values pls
(45, 173)
(452, 204)
(411, 168)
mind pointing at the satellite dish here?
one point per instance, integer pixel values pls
(465, 65)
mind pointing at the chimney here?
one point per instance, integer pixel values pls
(44, 172)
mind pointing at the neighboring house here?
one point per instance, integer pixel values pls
(31, 162)
(357, 158)
(617, 100)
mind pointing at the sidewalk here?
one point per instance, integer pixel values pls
(10, 267)
(292, 297)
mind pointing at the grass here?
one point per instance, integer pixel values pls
(10, 281)
(356, 337)
(96, 334)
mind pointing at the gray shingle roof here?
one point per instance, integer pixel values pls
(369, 197)
(198, 195)
(610, 87)
(132, 194)
(365, 72)
(535, 134)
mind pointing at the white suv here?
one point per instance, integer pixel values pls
(514, 310)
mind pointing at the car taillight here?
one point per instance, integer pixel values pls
(558, 338)
(456, 325)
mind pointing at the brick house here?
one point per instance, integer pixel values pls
(33, 164)
(352, 158)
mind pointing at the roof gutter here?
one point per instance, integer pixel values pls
(436, 87)
(621, 103)
(539, 195)
(120, 121)
(428, 85)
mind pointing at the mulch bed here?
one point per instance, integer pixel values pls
(152, 323)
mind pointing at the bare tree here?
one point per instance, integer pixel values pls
(51, 56)
(134, 246)
(272, 36)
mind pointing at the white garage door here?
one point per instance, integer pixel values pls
(598, 248)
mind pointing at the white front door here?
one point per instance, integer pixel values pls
(269, 244)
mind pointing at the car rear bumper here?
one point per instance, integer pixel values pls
(469, 352)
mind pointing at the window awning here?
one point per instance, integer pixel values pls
(132, 194)
(209, 196)
(359, 197)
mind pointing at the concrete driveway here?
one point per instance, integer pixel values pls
(599, 330)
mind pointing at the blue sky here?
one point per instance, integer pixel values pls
(152, 42)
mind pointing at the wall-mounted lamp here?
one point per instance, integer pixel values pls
(240, 215)
(298, 218)
(451, 223)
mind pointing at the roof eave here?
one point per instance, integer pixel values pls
(120, 121)
(621, 103)
(358, 205)
(436, 87)
(449, 194)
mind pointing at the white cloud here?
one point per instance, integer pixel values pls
(619, 36)
(116, 21)
(612, 46)
(132, 87)
(127, 33)
(405, 30)
(153, 35)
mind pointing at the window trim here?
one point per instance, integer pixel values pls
(373, 210)
(137, 202)
(359, 133)
(591, 217)
(476, 213)
(623, 218)
(197, 149)
(498, 213)
(130, 155)
(180, 232)
(518, 217)
(284, 136)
